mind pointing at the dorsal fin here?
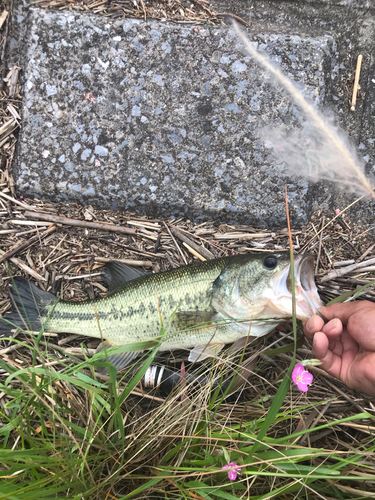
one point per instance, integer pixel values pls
(116, 274)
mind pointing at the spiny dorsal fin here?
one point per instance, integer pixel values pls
(116, 274)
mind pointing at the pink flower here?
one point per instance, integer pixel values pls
(232, 473)
(301, 377)
(338, 211)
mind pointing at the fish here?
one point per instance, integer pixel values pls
(202, 306)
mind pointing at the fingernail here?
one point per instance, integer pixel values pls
(331, 325)
(310, 324)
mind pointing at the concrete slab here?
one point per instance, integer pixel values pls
(160, 118)
(163, 119)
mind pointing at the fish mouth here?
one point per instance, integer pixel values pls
(306, 293)
(307, 297)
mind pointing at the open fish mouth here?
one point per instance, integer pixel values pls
(307, 297)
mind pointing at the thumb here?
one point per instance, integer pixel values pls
(344, 311)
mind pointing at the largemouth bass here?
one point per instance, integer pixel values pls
(205, 305)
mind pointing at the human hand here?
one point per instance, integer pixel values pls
(346, 344)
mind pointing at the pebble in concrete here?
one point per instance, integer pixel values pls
(160, 118)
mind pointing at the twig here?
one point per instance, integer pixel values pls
(31, 231)
(144, 10)
(346, 270)
(145, 224)
(175, 242)
(343, 263)
(233, 16)
(23, 205)
(145, 263)
(212, 243)
(22, 222)
(157, 244)
(204, 7)
(320, 246)
(365, 254)
(240, 236)
(58, 219)
(356, 82)
(201, 250)
(24, 267)
(27, 243)
(3, 16)
(82, 276)
(13, 81)
(193, 252)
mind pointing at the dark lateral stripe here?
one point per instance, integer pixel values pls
(72, 316)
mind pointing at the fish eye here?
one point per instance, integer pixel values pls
(270, 262)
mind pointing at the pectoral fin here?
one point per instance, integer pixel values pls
(119, 360)
(201, 352)
(193, 319)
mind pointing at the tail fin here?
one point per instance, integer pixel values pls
(29, 306)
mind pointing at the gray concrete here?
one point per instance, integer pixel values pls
(163, 119)
(351, 23)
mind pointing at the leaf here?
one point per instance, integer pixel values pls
(351, 293)
(147, 485)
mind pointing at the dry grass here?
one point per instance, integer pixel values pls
(181, 11)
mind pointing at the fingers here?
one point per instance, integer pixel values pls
(331, 362)
(313, 325)
(332, 329)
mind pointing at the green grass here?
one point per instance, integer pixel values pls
(68, 433)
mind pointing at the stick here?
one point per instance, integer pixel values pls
(320, 246)
(3, 17)
(23, 205)
(343, 263)
(58, 219)
(22, 222)
(129, 262)
(175, 242)
(198, 248)
(347, 270)
(13, 81)
(240, 236)
(31, 231)
(24, 267)
(365, 254)
(27, 243)
(356, 81)
(192, 251)
(233, 16)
